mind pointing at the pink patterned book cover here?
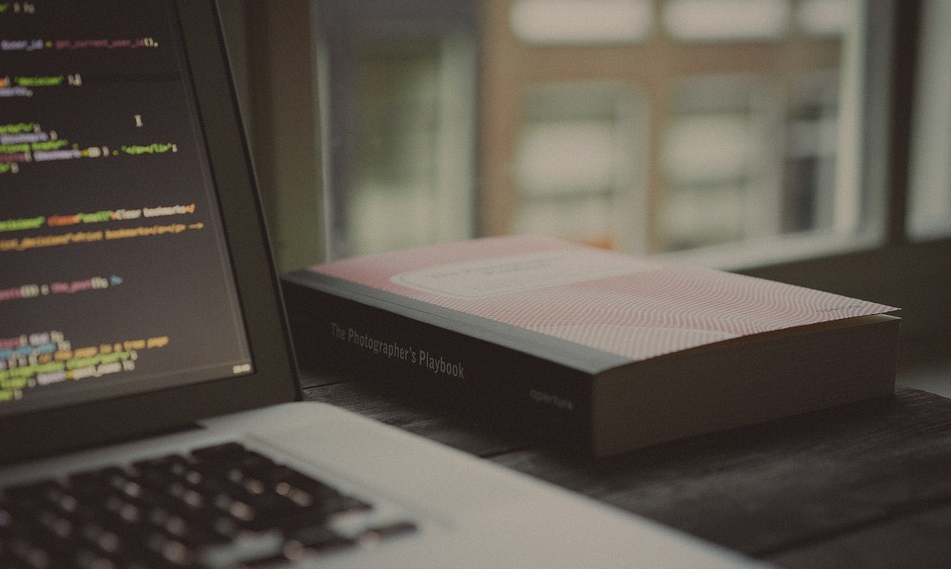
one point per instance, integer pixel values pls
(633, 307)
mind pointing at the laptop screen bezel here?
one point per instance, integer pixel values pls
(273, 379)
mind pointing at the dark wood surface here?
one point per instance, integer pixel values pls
(866, 485)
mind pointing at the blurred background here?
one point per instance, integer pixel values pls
(807, 141)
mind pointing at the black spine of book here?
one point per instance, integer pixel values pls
(351, 332)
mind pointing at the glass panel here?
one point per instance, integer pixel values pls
(930, 183)
(582, 21)
(825, 17)
(405, 191)
(574, 163)
(720, 170)
(726, 20)
(398, 90)
(395, 138)
(728, 127)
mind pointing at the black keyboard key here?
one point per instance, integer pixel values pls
(320, 538)
(395, 529)
(219, 506)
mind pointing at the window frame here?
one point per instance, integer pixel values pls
(909, 274)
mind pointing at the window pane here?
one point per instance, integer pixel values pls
(582, 21)
(726, 20)
(574, 163)
(408, 154)
(398, 89)
(720, 179)
(655, 127)
(930, 183)
(395, 135)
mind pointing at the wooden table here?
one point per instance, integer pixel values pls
(866, 485)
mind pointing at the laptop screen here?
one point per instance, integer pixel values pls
(116, 273)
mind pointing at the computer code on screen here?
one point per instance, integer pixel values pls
(114, 274)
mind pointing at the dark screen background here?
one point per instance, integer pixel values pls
(97, 129)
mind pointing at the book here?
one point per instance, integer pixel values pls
(586, 346)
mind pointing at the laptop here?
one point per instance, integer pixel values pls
(149, 408)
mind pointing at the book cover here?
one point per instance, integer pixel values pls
(590, 345)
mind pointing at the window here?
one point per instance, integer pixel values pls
(411, 145)
(746, 146)
(721, 174)
(650, 127)
(726, 20)
(583, 22)
(399, 87)
(575, 165)
(930, 197)
(831, 115)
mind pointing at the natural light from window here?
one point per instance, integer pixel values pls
(723, 130)
(929, 213)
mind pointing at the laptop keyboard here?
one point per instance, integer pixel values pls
(223, 506)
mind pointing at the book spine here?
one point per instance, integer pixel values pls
(344, 339)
